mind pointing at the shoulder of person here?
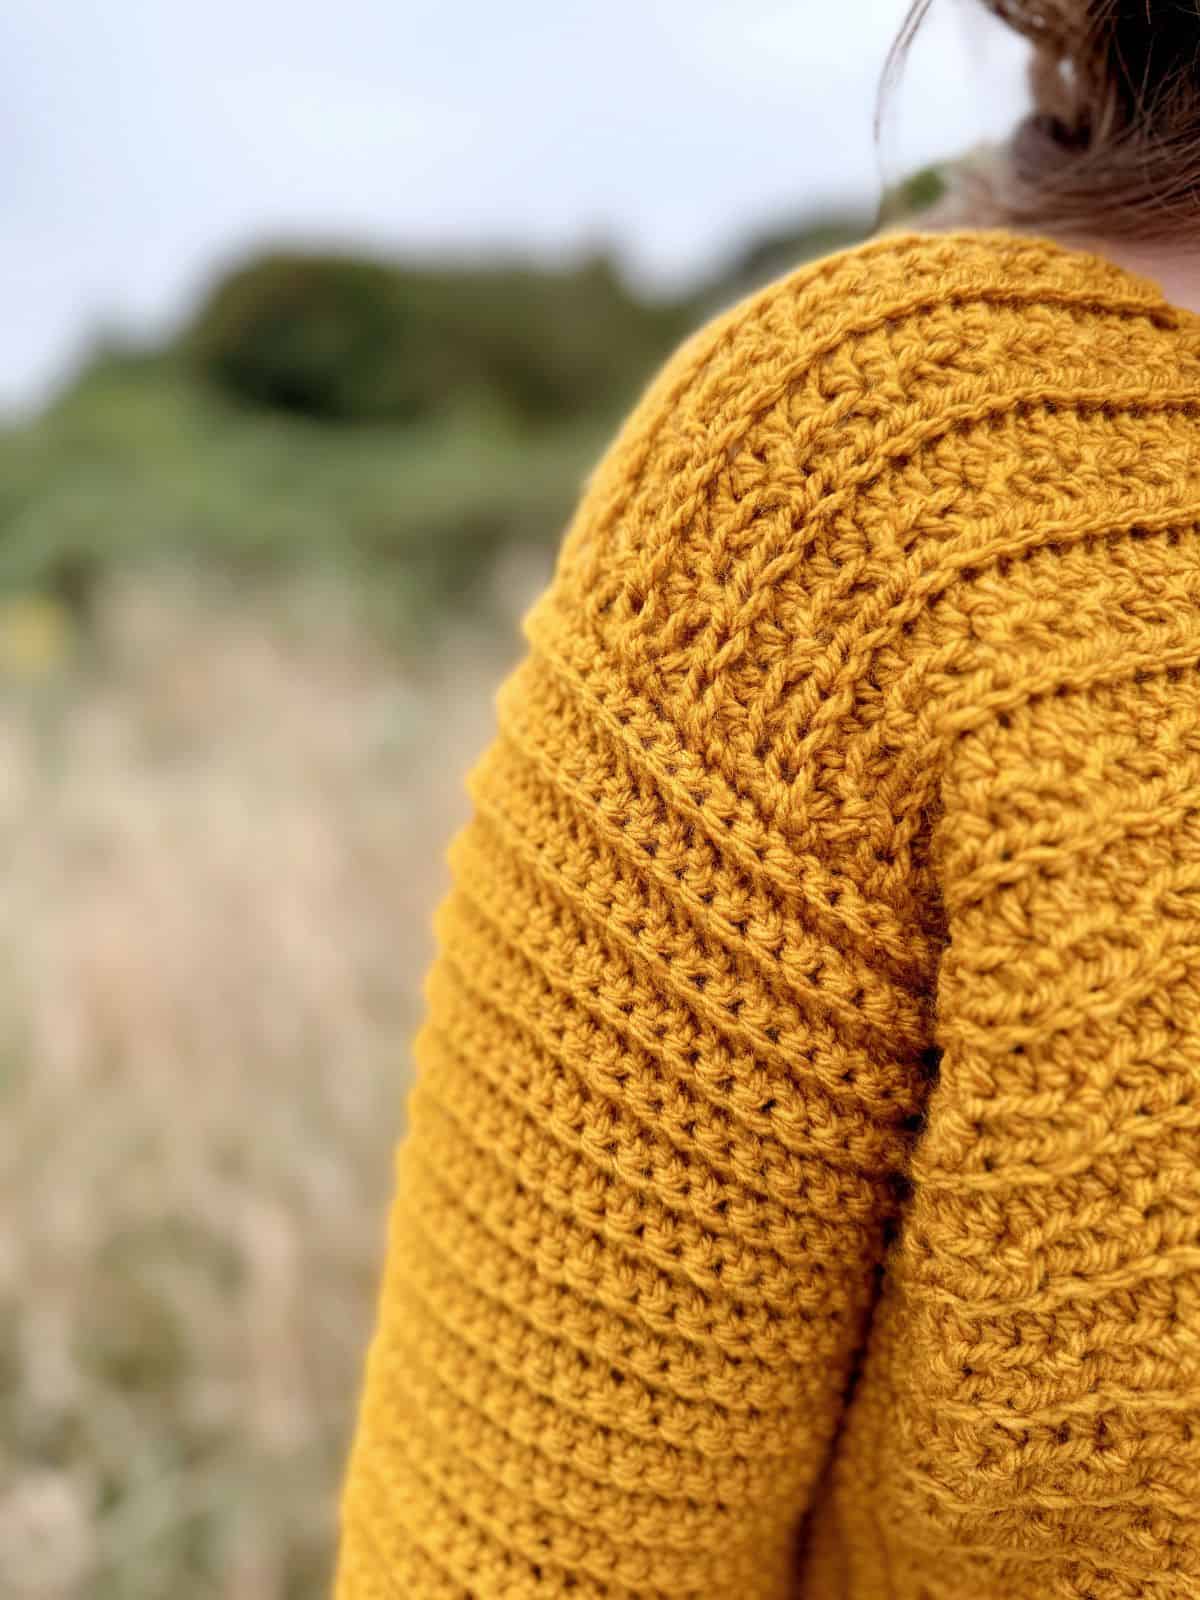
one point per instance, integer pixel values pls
(882, 297)
(842, 365)
(835, 370)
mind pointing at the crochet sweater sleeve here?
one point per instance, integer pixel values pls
(678, 1029)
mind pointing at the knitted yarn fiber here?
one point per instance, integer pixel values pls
(801, 1193)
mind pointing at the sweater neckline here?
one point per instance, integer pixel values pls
(1141, 279)
(1083, 262)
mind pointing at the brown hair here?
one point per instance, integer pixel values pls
(1112, 142)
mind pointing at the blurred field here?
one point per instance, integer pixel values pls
(251, 625)
(222, 818)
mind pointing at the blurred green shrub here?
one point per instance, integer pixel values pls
(327, 336)
(914, 194)
(344, 339)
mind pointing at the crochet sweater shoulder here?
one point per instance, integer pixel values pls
(801, 1189)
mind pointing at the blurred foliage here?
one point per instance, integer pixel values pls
(349, 340)
(909, 198)
(35, 635)
(395, 422)
(140, 462)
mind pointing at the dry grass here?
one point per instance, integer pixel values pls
(222, 831)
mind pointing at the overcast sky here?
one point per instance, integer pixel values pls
(148, 141)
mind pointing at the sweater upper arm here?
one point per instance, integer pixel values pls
(673, 1046)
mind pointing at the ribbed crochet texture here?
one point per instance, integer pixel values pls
(801, 1192)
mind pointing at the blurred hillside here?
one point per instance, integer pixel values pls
(257, 587)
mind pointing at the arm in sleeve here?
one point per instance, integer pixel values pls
(671, 1053)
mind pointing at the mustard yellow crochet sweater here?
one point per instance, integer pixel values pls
(801, 1192)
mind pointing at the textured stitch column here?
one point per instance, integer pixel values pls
(676, 1028)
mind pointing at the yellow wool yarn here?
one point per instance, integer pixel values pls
(801, 1192)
